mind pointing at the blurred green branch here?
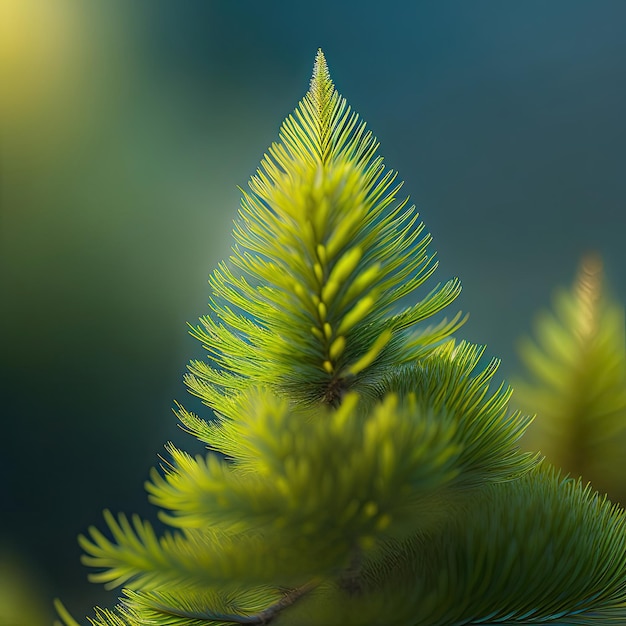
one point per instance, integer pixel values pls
(575, 379)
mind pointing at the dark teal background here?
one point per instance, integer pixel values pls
(120, 160)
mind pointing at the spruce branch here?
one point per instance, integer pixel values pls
(191, 611)
(452, 383)
(539, 550)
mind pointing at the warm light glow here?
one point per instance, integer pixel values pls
(40, 50)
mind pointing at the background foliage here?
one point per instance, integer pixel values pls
(119, 163)
(575, 381)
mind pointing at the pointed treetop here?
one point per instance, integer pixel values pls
(321, 75)
(321, 98)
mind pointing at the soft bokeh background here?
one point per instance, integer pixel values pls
(125, 128)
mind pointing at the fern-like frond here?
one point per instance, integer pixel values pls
(255, 607)
(576, 382)
(539, 550)
(324, 251)
(194, 559)
(452, 384)
(556, 551)
(134, 553)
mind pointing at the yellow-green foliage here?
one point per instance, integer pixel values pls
(362, 468)
(479, 564)
(324, 249)
(576, 382)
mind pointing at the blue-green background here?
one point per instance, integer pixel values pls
(124, 137)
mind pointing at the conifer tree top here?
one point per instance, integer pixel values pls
(368, 470)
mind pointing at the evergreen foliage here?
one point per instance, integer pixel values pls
(363, 467)
(576, 382)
